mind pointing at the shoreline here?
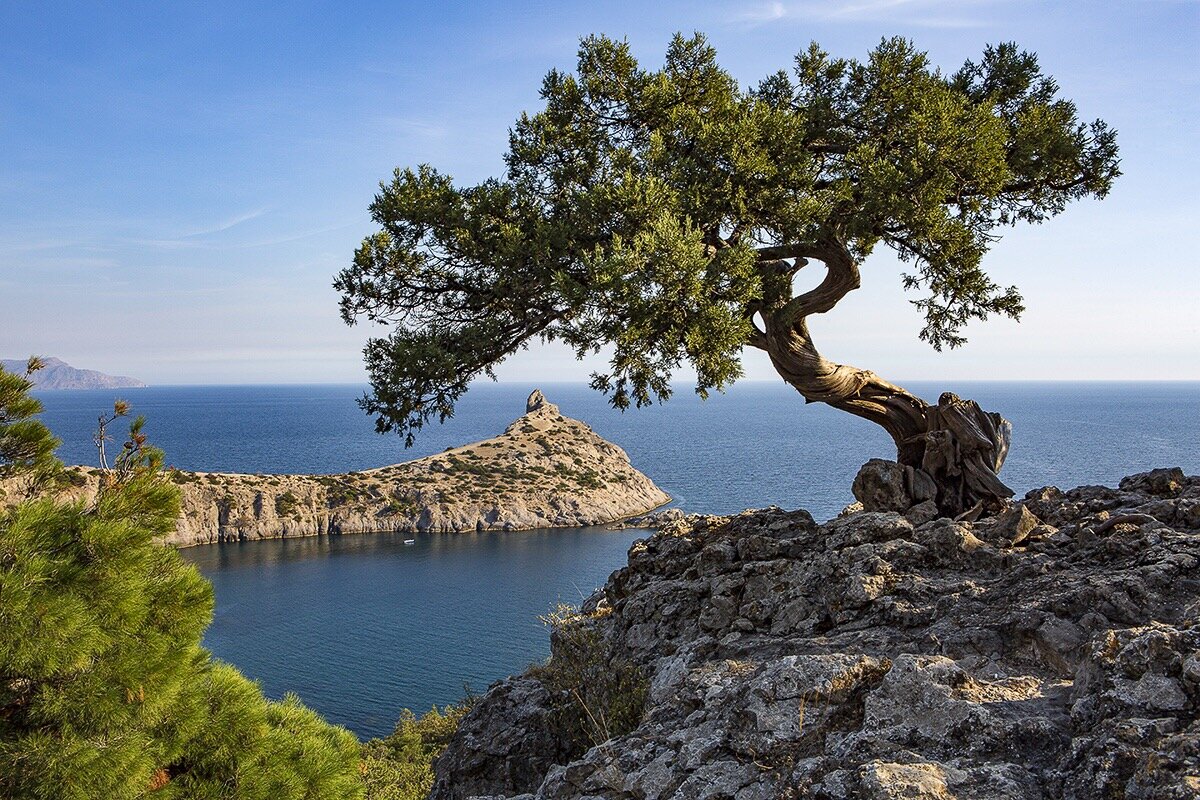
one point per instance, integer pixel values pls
(615, 526)
(544, 470)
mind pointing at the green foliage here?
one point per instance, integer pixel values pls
(587, 478)
(402, 504)
(259, 750)
(26, 445)
(400, 766)
(597, 695)
(340, 490)
(104, 688)
(74, 476)
(286, 503)
(658, 213)
(181, 478)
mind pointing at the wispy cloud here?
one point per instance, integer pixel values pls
(415, 127)
(295, 237)
(68, 262)
(16, 245)
(191, 241)
(926, 13)
(762, 14)
(226, 224)
(878, 7)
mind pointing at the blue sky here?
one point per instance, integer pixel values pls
(180, 183)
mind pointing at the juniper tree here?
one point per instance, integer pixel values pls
(104, 688)
(666, 214)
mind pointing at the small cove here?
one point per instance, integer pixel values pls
(360, 626)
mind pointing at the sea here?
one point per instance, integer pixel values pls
(363, 626)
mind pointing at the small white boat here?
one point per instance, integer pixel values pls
(410, 541)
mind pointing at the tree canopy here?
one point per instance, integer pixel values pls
(665, 213)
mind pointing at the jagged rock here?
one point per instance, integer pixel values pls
(891, 781)
(506, 752)
(1162, 482)
(852, 508)
(652, 521)
(926, 511)
(537, 401)
(1009, 528)
(882, 485)
(883, 656)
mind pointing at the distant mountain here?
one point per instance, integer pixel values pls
(58, 374)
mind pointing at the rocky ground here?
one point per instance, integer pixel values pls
(1053, 652)
(544, 470)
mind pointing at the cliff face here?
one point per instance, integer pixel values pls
(545, 470)
(57, 374)
(1050, 653)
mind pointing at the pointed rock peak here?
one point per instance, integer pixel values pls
(536, 402)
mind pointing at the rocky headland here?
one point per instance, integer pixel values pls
(1050, 652)
(58, 374)
(545, 470)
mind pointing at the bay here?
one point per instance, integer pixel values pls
(362, 626)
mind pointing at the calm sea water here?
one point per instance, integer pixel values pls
(362, 626)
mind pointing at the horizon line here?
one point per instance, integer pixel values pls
(265, 384)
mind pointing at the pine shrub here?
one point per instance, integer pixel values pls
(400, 766)
(105, 691)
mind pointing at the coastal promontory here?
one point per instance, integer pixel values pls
(544, 471)
(55, 373)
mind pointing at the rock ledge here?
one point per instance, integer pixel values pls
(1053, 652)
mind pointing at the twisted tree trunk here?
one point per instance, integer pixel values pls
(957, 445)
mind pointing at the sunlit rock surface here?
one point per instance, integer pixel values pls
(544, 470)
(1053, 652)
